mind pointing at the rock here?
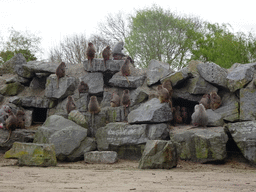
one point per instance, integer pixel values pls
(107, 96)
(11, 89)
(127, 140)
(38, 83)
(17, 60)
(28, 117)
(89, 144)
(139, 95)
(38, 102)
(118, 80)
(15, 100)
(240, 76)
(31, 154)
(106, 157)
(67, 86)
(81, 102)
(66, 135)
(247, 104)
(158, 131)
(112, 66)
(200, 144)
(158, 154)
(11, 80)
(18, 135)
(214, 119)
(151, 112)
(99, 121)
(78, 118)
(22, 80)
(182, 93)
(114, 114)
(157, 70)
(95, 82)
(1, 98)
(213, 73)
(244, 135)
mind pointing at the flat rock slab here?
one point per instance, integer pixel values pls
(247, 104)
(151, 112)
(98, 65)
(95, 82)
(244, 135)
(158, 154)
(200, 144)
(118, 80)
(31, 154)
(104, 157)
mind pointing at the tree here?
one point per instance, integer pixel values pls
(159, 34)
(219, 45)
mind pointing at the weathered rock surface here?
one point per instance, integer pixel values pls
(214, 119)
(240, 76)
(106, 157)
(200, 144)
(16, 61)
(112, 66)
(157, 70)
(158, 131)
(95, 82)
(158, 154)
(213, 73)
(78, 118)
(11, 89)
(66, 136)
(35, 101)
(244, 135)
(100, 120)
(139, 95)
(31, 154)
(151, 112)
(67, 86)
(114, 114)
(247, 104)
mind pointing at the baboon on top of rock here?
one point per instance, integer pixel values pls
(60, 72)
(90, 53)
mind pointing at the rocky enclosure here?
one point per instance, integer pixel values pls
(34, 89)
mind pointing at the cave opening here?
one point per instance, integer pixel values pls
(39, 115)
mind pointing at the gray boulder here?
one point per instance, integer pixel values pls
(11, 89)
(112, 66)
(66, 136)
(30, 154)
(35, 101)
(240, 76)
(247, 104)
(67, 86)
(16, 61)
(139, 95)
(105, 157)
(244, 135)
(114, 114)
(213, 73)
(95, 82)
(151, 112)
(78, 118)
(200, 144)
(214, 119)
(127, 140)
(158, 154)
(157, 70)
(158, 131)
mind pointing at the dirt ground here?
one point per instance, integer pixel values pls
(124, 175)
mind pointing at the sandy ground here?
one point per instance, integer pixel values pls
(125, 176)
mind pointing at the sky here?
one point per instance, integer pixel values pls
(53, 20)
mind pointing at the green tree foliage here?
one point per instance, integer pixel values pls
(217, 44)
(158, 34)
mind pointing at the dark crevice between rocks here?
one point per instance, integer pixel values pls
(107, 76)
(39, 115)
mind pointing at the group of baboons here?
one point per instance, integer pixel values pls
(12, 120)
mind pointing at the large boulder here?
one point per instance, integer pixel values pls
(78, 118)
(151, 112)
(66, 136)
(247, 104)
(158, 154)
(11, 89)
(244, 135)
(213, 73)
(240, 76)
(31, 154)
(38, 102)
(127, 140)
(15, 62)
(157, 70)
(95, 82)
(67, 86)
(105, 157)
(199, 144)
(214, 119)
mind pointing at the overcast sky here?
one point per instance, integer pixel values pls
(55, 19)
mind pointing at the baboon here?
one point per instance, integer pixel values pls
(90, 53)
(126, 100)
(93, 107)
(106, 54)
(60, 72)
(125, 69)
(177, 119)
(70, 104)
(20, 119)
(115, 101)
(11, 124)
(163, 94)
(168, 85)
(83, 87)
(184, 114)
(215, 100)
(205, 101)
(199, 117)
